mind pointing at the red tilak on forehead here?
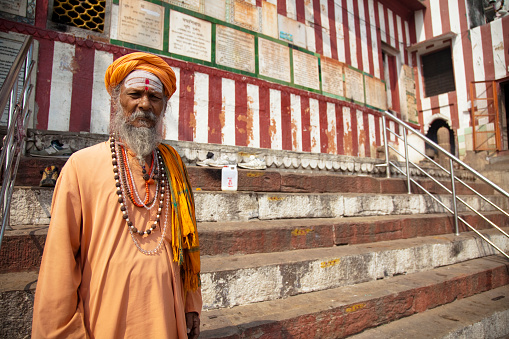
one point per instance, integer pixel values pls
(146, 83)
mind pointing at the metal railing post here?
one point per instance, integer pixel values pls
(453, 208)
(17, 120)
(386, 147)
(454, 204)
(407, 161)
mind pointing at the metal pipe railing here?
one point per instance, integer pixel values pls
(449, 155)
(452, 159)
(17, 125)
(443, 169)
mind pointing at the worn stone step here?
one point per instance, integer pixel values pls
(274, 180)
(22, 247)
(31, 205)
(332, 313)
(266, 236)
(229, 281)
(344, 311)
(484, 315)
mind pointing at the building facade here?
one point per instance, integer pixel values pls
(296, 75)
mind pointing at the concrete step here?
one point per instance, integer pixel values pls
(333, 313)
(266, 236)
(229, 281)
(343, 311)
(22, 247)
(484, 315)
(273, 180)
(31, 205)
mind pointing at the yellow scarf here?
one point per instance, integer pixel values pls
(184, 234)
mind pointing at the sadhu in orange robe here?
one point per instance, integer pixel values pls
(94, 282)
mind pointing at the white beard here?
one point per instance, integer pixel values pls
(140, 140)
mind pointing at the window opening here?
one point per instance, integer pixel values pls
(86, 14)
(438, 73)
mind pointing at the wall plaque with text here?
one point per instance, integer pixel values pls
(305, 70)
(354, 85)
(411, 101)
(332, 77)
(371, 88)
(190, 36)
(246, 15)
(292, 31)
(274, 60)
(216, 9)
(193, 5)
(235, 49)
(16, 7)
(269, 19)
(141, 23)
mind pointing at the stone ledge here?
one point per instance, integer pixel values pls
(344, 311)
(286, 160)
(32, 205)
(246, 279)
(463, 318)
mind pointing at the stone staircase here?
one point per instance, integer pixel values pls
(308, 254)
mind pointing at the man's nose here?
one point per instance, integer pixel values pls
(144, 102)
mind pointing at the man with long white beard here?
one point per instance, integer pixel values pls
(122, 258)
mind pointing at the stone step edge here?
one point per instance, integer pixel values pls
(283, 160)
(256, 224)
(347, 310)
(248, 261)
(273, 276)
(22, 247)
(34, 205)
(482, 315)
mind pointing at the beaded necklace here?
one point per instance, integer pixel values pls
(131, 188)
(122, 191)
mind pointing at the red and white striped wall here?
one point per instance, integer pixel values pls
(479, 54)
(214, 106)
(210, 106)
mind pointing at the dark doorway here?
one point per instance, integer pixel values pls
(504, 88)
(433, 136)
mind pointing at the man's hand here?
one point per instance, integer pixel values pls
(193, 325)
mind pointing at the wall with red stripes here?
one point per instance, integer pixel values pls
(220, 107)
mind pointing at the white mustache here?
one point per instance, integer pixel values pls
(149, 115)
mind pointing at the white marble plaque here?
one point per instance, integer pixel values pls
(269, 19)
(332, 77)
(246, 15)
(274, 60)
(193, 5)
(354, 85)
(216, 9)
(292, 31)
(235, 49)
(190, 37)
(16, 7)
(371, 97)
(305, 70)
(381, 95)
(141, 23)
(411, 102)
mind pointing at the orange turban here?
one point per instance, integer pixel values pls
(121, 67)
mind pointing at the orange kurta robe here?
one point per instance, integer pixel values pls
(93, 281)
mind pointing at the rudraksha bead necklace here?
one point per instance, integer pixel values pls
(120, 173)
(149, 179)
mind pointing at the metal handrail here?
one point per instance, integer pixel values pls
(454, 211)
(17, 124)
